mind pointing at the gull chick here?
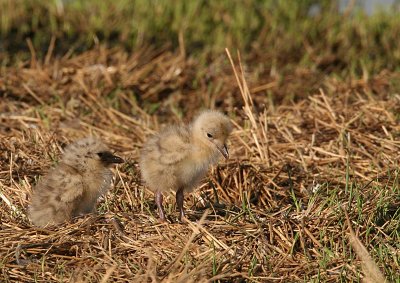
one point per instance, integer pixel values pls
(74, 185)
(178, 157)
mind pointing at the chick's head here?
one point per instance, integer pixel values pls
(89, 154)
(212, 128)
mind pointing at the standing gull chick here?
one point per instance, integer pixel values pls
(179, 156)
(74, 185)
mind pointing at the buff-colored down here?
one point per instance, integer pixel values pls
(178, 157)
(74, 185)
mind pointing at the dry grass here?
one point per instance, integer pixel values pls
(370, 268)
(274, 212)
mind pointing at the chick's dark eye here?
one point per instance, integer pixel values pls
(209, 135)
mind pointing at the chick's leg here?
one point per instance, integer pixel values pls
(179, 203)
(159, 201)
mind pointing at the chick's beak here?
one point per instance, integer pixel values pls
(109, 158)
(224, 150)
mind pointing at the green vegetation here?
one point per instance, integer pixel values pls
(283, 33)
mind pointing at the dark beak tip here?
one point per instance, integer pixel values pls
(118, 159)
(110, 158)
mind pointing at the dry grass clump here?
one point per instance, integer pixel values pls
(273, 212)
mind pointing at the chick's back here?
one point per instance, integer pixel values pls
(53, 199)
(162, 156)
(74, 185)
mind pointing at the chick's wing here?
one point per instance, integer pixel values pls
(174, 146)
(72, 191)
(67, 183)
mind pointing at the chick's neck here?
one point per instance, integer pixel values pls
(202, 150)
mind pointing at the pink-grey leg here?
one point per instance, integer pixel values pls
(179, 203)
(159, 202)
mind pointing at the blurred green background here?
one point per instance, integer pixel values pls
(333, 36)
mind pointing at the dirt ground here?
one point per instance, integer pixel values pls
(274, 212)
